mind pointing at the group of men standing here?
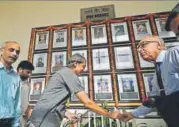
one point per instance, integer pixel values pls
(50, 109)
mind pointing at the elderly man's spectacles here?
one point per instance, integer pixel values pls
(144, 43)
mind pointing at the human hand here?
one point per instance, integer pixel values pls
(114, 115)
(71, 116)
(126, 116)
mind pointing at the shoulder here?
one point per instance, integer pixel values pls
(173, 54)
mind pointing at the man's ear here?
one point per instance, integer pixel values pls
(20, 70)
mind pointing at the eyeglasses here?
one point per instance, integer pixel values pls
(144, 43)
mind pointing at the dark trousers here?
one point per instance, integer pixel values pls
(5, 124)
(168, 107)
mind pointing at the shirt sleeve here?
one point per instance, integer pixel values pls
(72, 81)
(16, 121)
(141, 111)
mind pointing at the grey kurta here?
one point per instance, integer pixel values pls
(49, 111)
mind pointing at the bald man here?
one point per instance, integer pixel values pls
(165, 90)
(9, 86)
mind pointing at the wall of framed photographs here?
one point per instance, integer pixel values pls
(115, 72)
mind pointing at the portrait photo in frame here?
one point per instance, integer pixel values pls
(141, 29)
(128, 87)
(103, 87)
(41, 40)
(148, 82)
(100, 59)
(40, 63)
(119, 32)
(144, 63)
(59, 59)
(84, 82)
(36, 89)
(98, 34)
(79, 37)
(160, 24)
(60, 38)
(84, 54)
(123, 57)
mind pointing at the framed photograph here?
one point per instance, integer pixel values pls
(84, 83)
(128, 87)
(145, 64)
(83, 53)
(41, 40)
(101, 59)
(141, 29)
(160, 23)
(119, 32)
(59, 59)
(123, 57)
(60, 38)
(171, 44)
(29, 110)
(79, 36)
(98, 34)
(103, 87)
(37, 87)
(40, 63)
(148, 82)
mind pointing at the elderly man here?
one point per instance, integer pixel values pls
(50, 109)
(24, 69)
(9, 86)
(165, 90)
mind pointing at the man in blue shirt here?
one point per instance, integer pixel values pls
(152, 49)
(9, 86)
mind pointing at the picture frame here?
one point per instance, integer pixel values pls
(98, 34)
(100, 59)
(145, 64)
(59, 59)
(60, 38)
(29, 110)
(102, 87)
(160, 24)
(128, 87)
(148, 82)
(119, 32)
(141, 29)
(123, 57)
(84, 54)
(37, 87)
(85, 83)
(171, 44)
(41, 40)
(40, 63)
(79, 37)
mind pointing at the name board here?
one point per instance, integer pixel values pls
(97, 13)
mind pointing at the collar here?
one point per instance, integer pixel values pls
(3, 67)
(161, 56)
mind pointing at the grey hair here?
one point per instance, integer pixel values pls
(4, 44)
(76, 58)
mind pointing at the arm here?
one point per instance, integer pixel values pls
(82, 96)
(17, 110)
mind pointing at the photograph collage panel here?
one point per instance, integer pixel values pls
(36, 89)
(128, 87)
(119, 32)
(141, 29)
(40, 63)
(59, 59)
(84, 83)
(123, 57)
(100, 59)
(60, 38)
(160, 23)
(103, 87)
(41, 40)
(148, 79)
(98, 34)
(79, 36)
